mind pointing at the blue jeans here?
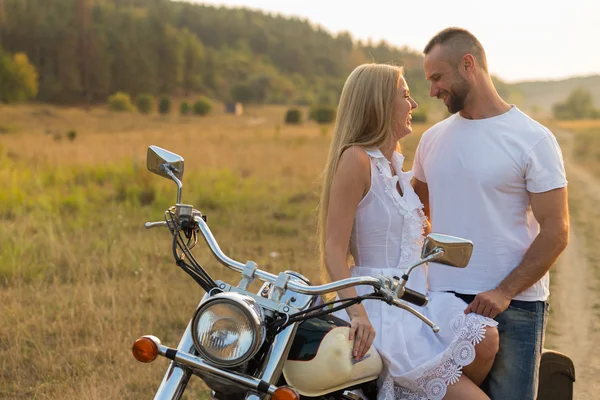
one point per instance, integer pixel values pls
(514, 375)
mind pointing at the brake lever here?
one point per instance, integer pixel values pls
(389, 290)
(423, 318)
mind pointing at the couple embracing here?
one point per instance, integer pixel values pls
(488, 173)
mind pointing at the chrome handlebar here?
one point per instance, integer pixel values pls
(387, 287)
(271, 278)
(267, 276)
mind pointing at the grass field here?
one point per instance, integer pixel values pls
(81, 279)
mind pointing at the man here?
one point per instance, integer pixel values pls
(491, 174)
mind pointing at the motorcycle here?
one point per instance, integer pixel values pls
(281, 343)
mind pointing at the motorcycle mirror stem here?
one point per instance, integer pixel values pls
(436, 253)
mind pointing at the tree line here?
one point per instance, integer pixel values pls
(87, 50)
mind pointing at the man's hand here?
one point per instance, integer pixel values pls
(490, 303)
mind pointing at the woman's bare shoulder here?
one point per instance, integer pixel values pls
(354, 162)
(355, 157)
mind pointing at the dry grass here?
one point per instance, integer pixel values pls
(584, 142)
(80, 278)
(578, 125)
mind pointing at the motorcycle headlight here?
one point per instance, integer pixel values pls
(228, 329)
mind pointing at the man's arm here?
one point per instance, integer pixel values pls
(552, 213)
(422, 190)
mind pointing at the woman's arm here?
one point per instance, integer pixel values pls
(350, 184)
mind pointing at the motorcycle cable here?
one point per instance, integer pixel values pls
(281, 323)
(194, 269)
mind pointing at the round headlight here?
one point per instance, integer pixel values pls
(228, 329)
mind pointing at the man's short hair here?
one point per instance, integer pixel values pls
(459, 42)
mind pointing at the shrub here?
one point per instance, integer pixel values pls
(293, 116)
(144, 103)
(72, 134)
(164, 105)
(185, 108)
(120, 102)
(202, 106)
(323, 114)
(419, 116)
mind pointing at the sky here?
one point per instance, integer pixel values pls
(523, 39)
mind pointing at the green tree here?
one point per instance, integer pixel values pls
(193, 62)
(242, 92)
(577, 105)
(260, 85)
(18, 78)
(133, 59)
(170, 56)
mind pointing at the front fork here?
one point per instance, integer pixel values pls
(177, 376)
(272, 369)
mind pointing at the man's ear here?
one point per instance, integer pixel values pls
(467, 63)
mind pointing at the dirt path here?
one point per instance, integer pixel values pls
(574, 325)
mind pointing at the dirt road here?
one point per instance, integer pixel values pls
(574, 327)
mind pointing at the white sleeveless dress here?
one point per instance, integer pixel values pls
(386, 238)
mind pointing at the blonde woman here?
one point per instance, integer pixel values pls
(368, 208)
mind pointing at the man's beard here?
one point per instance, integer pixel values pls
(457, 96)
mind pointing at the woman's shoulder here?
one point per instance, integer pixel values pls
(355, 162)
(355, 156)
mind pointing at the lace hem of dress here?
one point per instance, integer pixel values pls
(415, 220)
(445, 369)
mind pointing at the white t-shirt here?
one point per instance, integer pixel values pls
(479, 173)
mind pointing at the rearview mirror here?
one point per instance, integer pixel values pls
(456, 251)
(159, 161)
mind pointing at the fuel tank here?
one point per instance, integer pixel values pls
(320, 360)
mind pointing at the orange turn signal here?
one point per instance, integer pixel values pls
(145, 350)
(285, 393)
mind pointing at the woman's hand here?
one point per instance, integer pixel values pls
(363, 334)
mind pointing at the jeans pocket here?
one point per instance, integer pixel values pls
(526, 308)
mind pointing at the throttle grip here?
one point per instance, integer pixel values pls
(414, 297)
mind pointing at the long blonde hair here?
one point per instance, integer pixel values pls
(365, 117)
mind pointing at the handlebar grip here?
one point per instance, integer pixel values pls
(414, 297)
(150, 225)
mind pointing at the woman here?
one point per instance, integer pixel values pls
(369, 208)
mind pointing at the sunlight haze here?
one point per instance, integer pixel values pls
(524, 40)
